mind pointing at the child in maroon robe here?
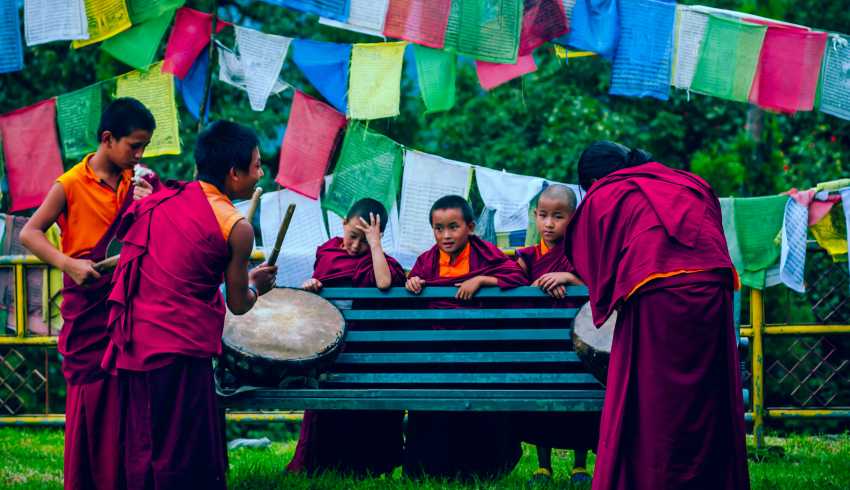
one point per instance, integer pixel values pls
(358, 442)
(547, 268)
(460, 445)
(167, 312)
(87, 201)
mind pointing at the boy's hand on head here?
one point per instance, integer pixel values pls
(263, 277)
(81, 271)
(371, 229)
(313, 285)
(142, 189)
(414, 285)
(467, 289)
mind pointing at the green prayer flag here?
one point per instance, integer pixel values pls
(487, 30)
(369, 165)
(78, 116)
(137, 46)
(145, 10)
(758, 221)
(727, 210)
(728, 58)
(437, 71)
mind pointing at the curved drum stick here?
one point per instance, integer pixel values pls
(281, 234)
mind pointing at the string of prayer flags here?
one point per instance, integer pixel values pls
(31, 152)
(509, 194)
(189, 36)
(231, 71)
(331, 9)
(155, 89)
(308, 144)
(594, 26)
(486, 31)
(786, 79)
(262, 58)
(644, 52)
(491, 75)
(137, 46)
(436, 71)
(758, 221)
(54, 20)
(728, 58)
(191, 88)
(144, 10)
(11, 48)
(418, 21)
(369, 165)
(375, 80)
(364, 16)
(325, 65)
(106, 18)
(78, 116)
(542, 21)
(689, 33)
(834, 90)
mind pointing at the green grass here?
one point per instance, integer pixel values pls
(32, 459)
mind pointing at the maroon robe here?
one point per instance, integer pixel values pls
(673, 414)
(577, 430)
(166, 320)
(453, 444)
(348, 441)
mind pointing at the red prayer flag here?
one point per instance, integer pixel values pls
(189, 36)
(33, 160)
(542, 21)
(789, 67)
(308, 144)
(419, 21)
(491, 75)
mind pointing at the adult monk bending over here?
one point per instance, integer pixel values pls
(648, 242)
(167, 312)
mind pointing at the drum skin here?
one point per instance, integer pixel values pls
(288, 332)
(591, 344)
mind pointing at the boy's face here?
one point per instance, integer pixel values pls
(451, 231)
(552, 218)
(240, 184)
(353, 240)
(127, 151)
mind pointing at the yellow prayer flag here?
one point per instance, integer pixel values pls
(106, 18)
(155, 90)
(374, 86)
(831, 239)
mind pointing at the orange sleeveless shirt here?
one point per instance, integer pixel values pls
(460, 266)
(225, 212)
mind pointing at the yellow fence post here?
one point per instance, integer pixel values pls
(757, 324)
(21, 306)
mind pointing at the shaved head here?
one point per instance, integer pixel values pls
(561, 194)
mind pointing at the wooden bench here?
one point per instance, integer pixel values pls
(486, 359)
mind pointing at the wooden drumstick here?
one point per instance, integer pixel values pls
(281, 233)
(107, 264)
(252, 208)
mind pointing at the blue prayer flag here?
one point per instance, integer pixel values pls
(192, 86)
(11, 48)
(326, 67)
(331, 9)
(593, 27)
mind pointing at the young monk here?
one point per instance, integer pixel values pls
(460, 445)
(86, 202)
(167, 312)
(358, 442)
(547, 268)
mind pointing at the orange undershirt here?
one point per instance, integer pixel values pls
(90, 207)
(225, 212)
(651, 277)
(458, 267)
(543, 248)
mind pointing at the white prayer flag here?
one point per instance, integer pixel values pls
(55, 20)
(365, 17)
(261, 56)
(509, 194)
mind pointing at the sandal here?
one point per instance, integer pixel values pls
(579, 475)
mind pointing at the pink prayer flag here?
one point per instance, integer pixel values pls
(308, 144)
(491, 75)
(542, 21)
(419, 21)
(31, 148)
(189, 36)
(789, 67)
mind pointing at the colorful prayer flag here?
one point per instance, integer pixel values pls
(262, 58)
(486, 31)
(325, 65)
(191, 88)
(155, 89)
(78, 116)
(689, 33)
(137, 46)
(332, 9)
(491, 75)
(436, 70)
(11, 48)
(364, 16)
(31, 152)
(542, 21)
(594, 26)
(308, 144)
(106, 18)
(834, 91)
(191, 34)
(758, 221)
(728, 58)
(375, 81)
(418, 21)
(644, 52)
(369, 165)
(786, 79)
(144, 10)
(55, 20)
